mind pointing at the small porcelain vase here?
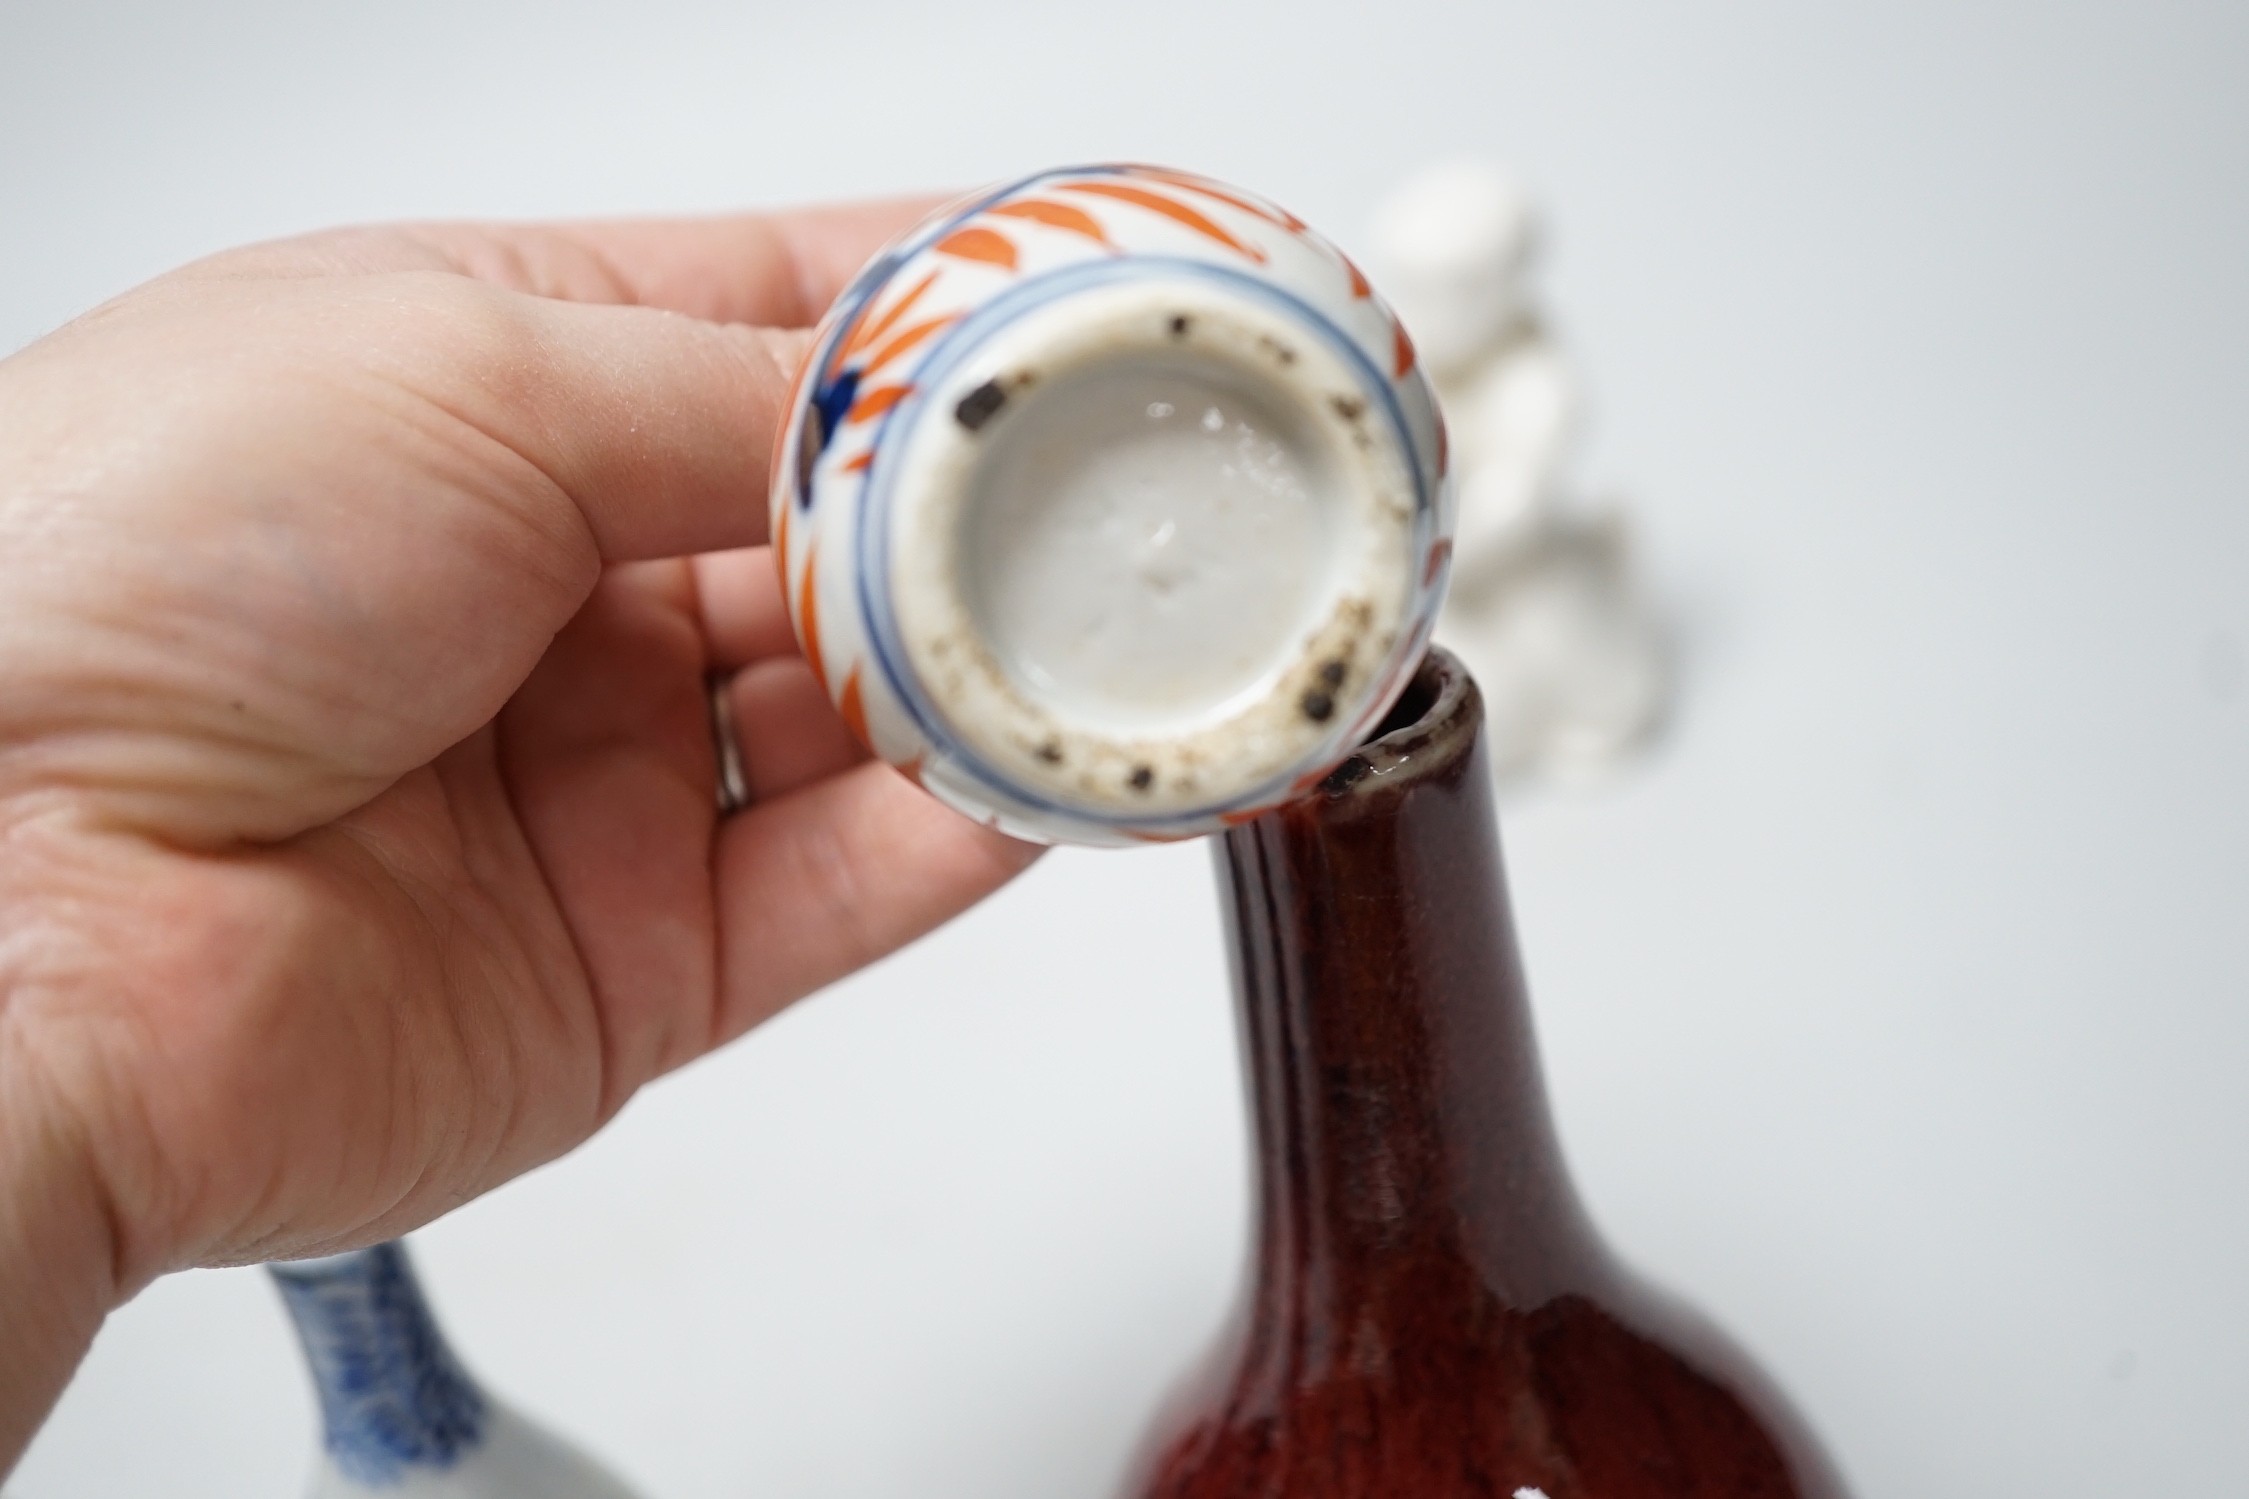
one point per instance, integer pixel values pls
(400, 1416)
(1113, 506)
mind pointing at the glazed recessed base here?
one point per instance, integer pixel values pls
(1156, 547)
(1143, 538)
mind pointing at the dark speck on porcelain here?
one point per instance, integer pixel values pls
(1180, 323)
(1319, 706)
(1143, 777)
(980, 405)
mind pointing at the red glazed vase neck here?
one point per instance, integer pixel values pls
(1430, 1314)
(1393, 1069)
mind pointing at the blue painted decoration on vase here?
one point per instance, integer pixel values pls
(401, 1416)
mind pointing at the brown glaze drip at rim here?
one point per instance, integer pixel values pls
(1438, 717)
(1430, 1314)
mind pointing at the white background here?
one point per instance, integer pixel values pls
(1897, 1009)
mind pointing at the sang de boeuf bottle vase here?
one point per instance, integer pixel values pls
(1430, 1314)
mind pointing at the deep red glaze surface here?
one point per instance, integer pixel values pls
(1430, 1313)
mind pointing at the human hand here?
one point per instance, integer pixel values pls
(357, 835)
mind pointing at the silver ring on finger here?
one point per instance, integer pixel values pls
(733, 780)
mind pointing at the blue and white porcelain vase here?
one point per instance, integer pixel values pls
(401, 1417)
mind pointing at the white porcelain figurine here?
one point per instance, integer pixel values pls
(401, 1417)
(1547, 606)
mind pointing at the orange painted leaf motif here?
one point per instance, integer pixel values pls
(868, 332)
(808, 619)
(1170, 208)
(1444, 446)
(1360, 290)
(781, 549)
(1270, 214)
(875, 402)
(861, 464)
(854, 708)
(1401, 349)
(1056, 216)
(1436, 562)
(979, 243)
(1236, 819)
(906, 340)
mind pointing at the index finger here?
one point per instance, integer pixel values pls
(776, 269)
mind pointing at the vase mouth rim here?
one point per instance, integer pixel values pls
(1433, 725)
